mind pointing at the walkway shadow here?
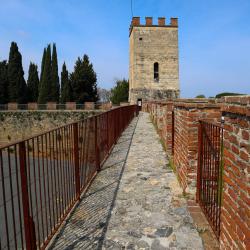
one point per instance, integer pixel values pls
(87, 225)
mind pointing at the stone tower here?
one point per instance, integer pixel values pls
(153, 60)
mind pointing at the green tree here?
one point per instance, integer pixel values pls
(200, 96)
(17, 86)
(227, 94)
(3, 82)
(43, 63)
(83, 81)
(66, 89)
(33, 83)
(55, 87)
(45, 83)
(120, 92)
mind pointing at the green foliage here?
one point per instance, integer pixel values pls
(33, 83)
(45, 83)
(83, 81)
(66, 89)
(55, 87)
(3, 82)
(200, 96)
(227, 94)
(120, 92)
(17, 86)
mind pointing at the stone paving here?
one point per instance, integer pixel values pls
(135, 202)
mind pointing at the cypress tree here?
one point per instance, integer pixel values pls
(17, 86)
(45, 83)
(42, 64)
(83, 81)
(55, 87)
(33, 83)
(91, 80)
(66, 89)
(3, 82)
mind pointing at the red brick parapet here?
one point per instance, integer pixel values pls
(12, 106)
(89, 105)
(235, 215)
(32, 106)
(51, 105)
(70, 106)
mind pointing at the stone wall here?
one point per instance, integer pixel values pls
(15, 125)
(235, 215)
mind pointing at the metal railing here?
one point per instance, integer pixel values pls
(209, 174)
(42, 177)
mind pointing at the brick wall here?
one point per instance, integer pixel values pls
(235, 215)
(186, 121)
(187, 113)
(235, 212)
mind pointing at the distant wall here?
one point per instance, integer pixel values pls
(16, 125)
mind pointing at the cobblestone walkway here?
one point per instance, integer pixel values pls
(134, 203)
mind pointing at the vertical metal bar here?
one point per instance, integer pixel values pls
(97, 150)
(107, 131)
(44, 187)
(12, 201)
(48, 180)
(173, 131)
(76, 160)
(52, 181)
(200, 143)
(4, 201)
(18, 197)
(40, 192)
(29, 235)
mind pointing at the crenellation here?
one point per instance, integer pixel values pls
(161, 21)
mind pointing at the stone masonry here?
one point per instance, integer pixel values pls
(150, 44)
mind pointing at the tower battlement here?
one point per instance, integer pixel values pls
(136, 22)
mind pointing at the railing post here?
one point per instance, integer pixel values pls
(173, 131)
(97, 150)
(200, 142)
(107, 131)
(29, 228)
(76, 160)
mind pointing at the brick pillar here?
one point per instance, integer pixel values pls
(32, 106)
(51, 105)
(89, 105)
(70, 106)
(12, 106)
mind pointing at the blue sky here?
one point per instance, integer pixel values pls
(214, 37)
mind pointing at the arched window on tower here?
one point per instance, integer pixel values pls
(156, 71)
